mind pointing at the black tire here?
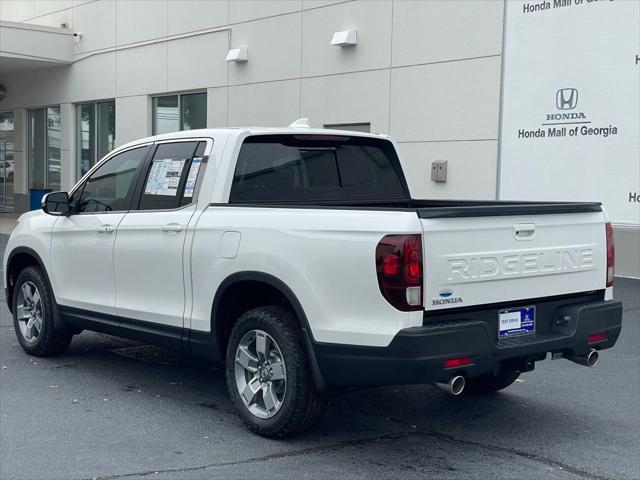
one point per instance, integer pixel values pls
(490, 383)
(301, 406)
(49, 341)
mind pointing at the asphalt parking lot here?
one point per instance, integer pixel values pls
(112, 408)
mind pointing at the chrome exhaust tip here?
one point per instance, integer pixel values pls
(588, 360)
(592, 358)
(455, 385)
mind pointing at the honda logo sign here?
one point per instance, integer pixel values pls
(567, 99)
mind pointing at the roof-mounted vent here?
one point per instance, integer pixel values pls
(300, 123)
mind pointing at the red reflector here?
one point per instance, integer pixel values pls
(457, 362)
(611, 255)
(597, 337)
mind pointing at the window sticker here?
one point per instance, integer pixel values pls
(164, 177)
(193, 176)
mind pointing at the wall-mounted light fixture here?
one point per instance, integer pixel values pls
(77, 36)
(238, 55)
(346, 38)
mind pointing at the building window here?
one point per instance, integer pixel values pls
(44, 148)
(95, 133)
(354, 127)
(172, 113)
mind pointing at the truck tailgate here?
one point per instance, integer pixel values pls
(475, 260)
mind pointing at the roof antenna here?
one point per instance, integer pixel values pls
(300, 123)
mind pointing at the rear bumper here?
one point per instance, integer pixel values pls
(416, 355)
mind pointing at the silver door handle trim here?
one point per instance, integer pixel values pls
(105, 229)
(172, 228)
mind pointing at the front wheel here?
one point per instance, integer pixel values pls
(268, 375)
(33, 310)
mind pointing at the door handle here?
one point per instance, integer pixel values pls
(524, 231)
(105, 229)
(171, 228)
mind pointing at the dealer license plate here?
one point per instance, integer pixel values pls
(516, 321)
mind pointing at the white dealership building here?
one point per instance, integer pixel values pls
(531, 100)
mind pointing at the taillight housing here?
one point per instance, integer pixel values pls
(399, 268)
(611, 255)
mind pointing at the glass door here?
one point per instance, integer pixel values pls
(7, 161)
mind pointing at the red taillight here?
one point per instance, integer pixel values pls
(611, 255)
(391, 265)
(597, 337)
(399, 267)
(457, 362)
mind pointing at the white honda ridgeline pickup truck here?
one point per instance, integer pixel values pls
(298, 258)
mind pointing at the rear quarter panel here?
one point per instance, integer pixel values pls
(325, 256)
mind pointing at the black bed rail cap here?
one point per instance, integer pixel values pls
(494, 209)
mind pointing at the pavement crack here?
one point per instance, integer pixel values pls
(274, 456)
(485, 446)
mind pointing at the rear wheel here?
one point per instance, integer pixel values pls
(491, 383)
(33, 310)
(268, 375)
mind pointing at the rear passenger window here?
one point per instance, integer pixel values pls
(172, 174)
(316, 168)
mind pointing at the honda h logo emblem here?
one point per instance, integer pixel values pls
(567, 98)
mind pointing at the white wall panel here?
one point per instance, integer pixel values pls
(93, 78)
(142, 70)
(372, 20)
(97, 22)
(348, 98)
(17, 10)
(140, 20)
(471, 169)
(56, 19)
(244, 10)
(192, 15)
(133, 118)
(196, 62)
(274, 49)
(44, 7)
(264, 104)
(307, 4)
(434, 31)
(217, 107)
(446, 101)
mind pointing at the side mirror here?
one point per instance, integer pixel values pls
(56, 203)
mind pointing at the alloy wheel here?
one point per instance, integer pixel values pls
(29, 312)
(260, 373)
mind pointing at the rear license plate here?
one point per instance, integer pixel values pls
(516, 321)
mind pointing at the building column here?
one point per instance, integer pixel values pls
(133, 118)
(21, 161)
(68, 147)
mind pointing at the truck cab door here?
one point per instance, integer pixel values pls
(150, 247)
(82, 243)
